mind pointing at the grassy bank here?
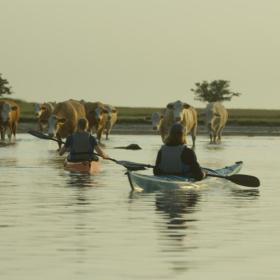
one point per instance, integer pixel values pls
(143, 115)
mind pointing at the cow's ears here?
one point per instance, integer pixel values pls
(114, 110)
(105, 111)
(169, 106)
(187, 106)
(14, 108)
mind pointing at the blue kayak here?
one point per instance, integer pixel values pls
(140, 181)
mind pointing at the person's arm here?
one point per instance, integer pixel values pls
(189, 158)
(97, 147)
(101, 152)
(66, 146)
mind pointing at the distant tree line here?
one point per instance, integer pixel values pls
(217, 90)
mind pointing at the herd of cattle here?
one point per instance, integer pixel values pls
(60, 119)
(215, 115)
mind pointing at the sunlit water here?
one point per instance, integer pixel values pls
(58, 225)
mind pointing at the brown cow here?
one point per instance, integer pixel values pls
(94, 113)
(43, 112)
(64, 119)
(9, 117)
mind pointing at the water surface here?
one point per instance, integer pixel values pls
(58, 225)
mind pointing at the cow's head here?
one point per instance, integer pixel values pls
(55, 124)
(97, 113)
(5, 112)
(109, 110)
(177, 109)
(156, 118)
(37, 109)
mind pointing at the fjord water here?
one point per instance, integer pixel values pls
(58, 225)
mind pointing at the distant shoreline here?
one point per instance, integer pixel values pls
(146, 129)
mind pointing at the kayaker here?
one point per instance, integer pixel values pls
(175, 158)
(81, 145)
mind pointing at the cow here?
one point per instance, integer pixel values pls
(64, 118)
(156, 119)
(9, 117)
(180, 112)
(216, 117)
(43, 112)
(95, 113)
(111, 119)
(101, 118)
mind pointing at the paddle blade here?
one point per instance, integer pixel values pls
(133, 166)
(244, 180)
(43, 136)
(39, 134)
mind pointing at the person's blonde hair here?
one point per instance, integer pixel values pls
(176, 135)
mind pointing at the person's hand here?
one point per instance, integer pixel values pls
(204, 173)
(105, 156)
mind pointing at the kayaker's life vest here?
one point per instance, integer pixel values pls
(81, 148)
(171, 162)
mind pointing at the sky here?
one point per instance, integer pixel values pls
(140, 52)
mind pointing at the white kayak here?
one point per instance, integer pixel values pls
(140, 181)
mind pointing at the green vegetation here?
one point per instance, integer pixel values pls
(217, 90)
(141, 115)
(4, 86)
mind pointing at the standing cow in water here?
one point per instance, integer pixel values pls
(64, 119)
(9, 117)
(101, 118)
(182, 113)
(216, 118)
(111, 118)
(43, 112)
(156, 119)
(95, 114)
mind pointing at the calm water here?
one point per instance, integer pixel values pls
(57, 225)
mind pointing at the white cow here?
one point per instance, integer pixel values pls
(216, 117)
(156, 119)
(181, 112)
(111, 119)
(185, 114)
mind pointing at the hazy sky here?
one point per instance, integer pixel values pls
(140, 52)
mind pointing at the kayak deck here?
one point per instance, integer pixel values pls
(152, 182)
(87, 167)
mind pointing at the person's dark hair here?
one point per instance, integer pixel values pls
(176, 135)
(82, 124)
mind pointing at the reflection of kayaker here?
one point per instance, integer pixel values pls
(175, 158)
(81, 146)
